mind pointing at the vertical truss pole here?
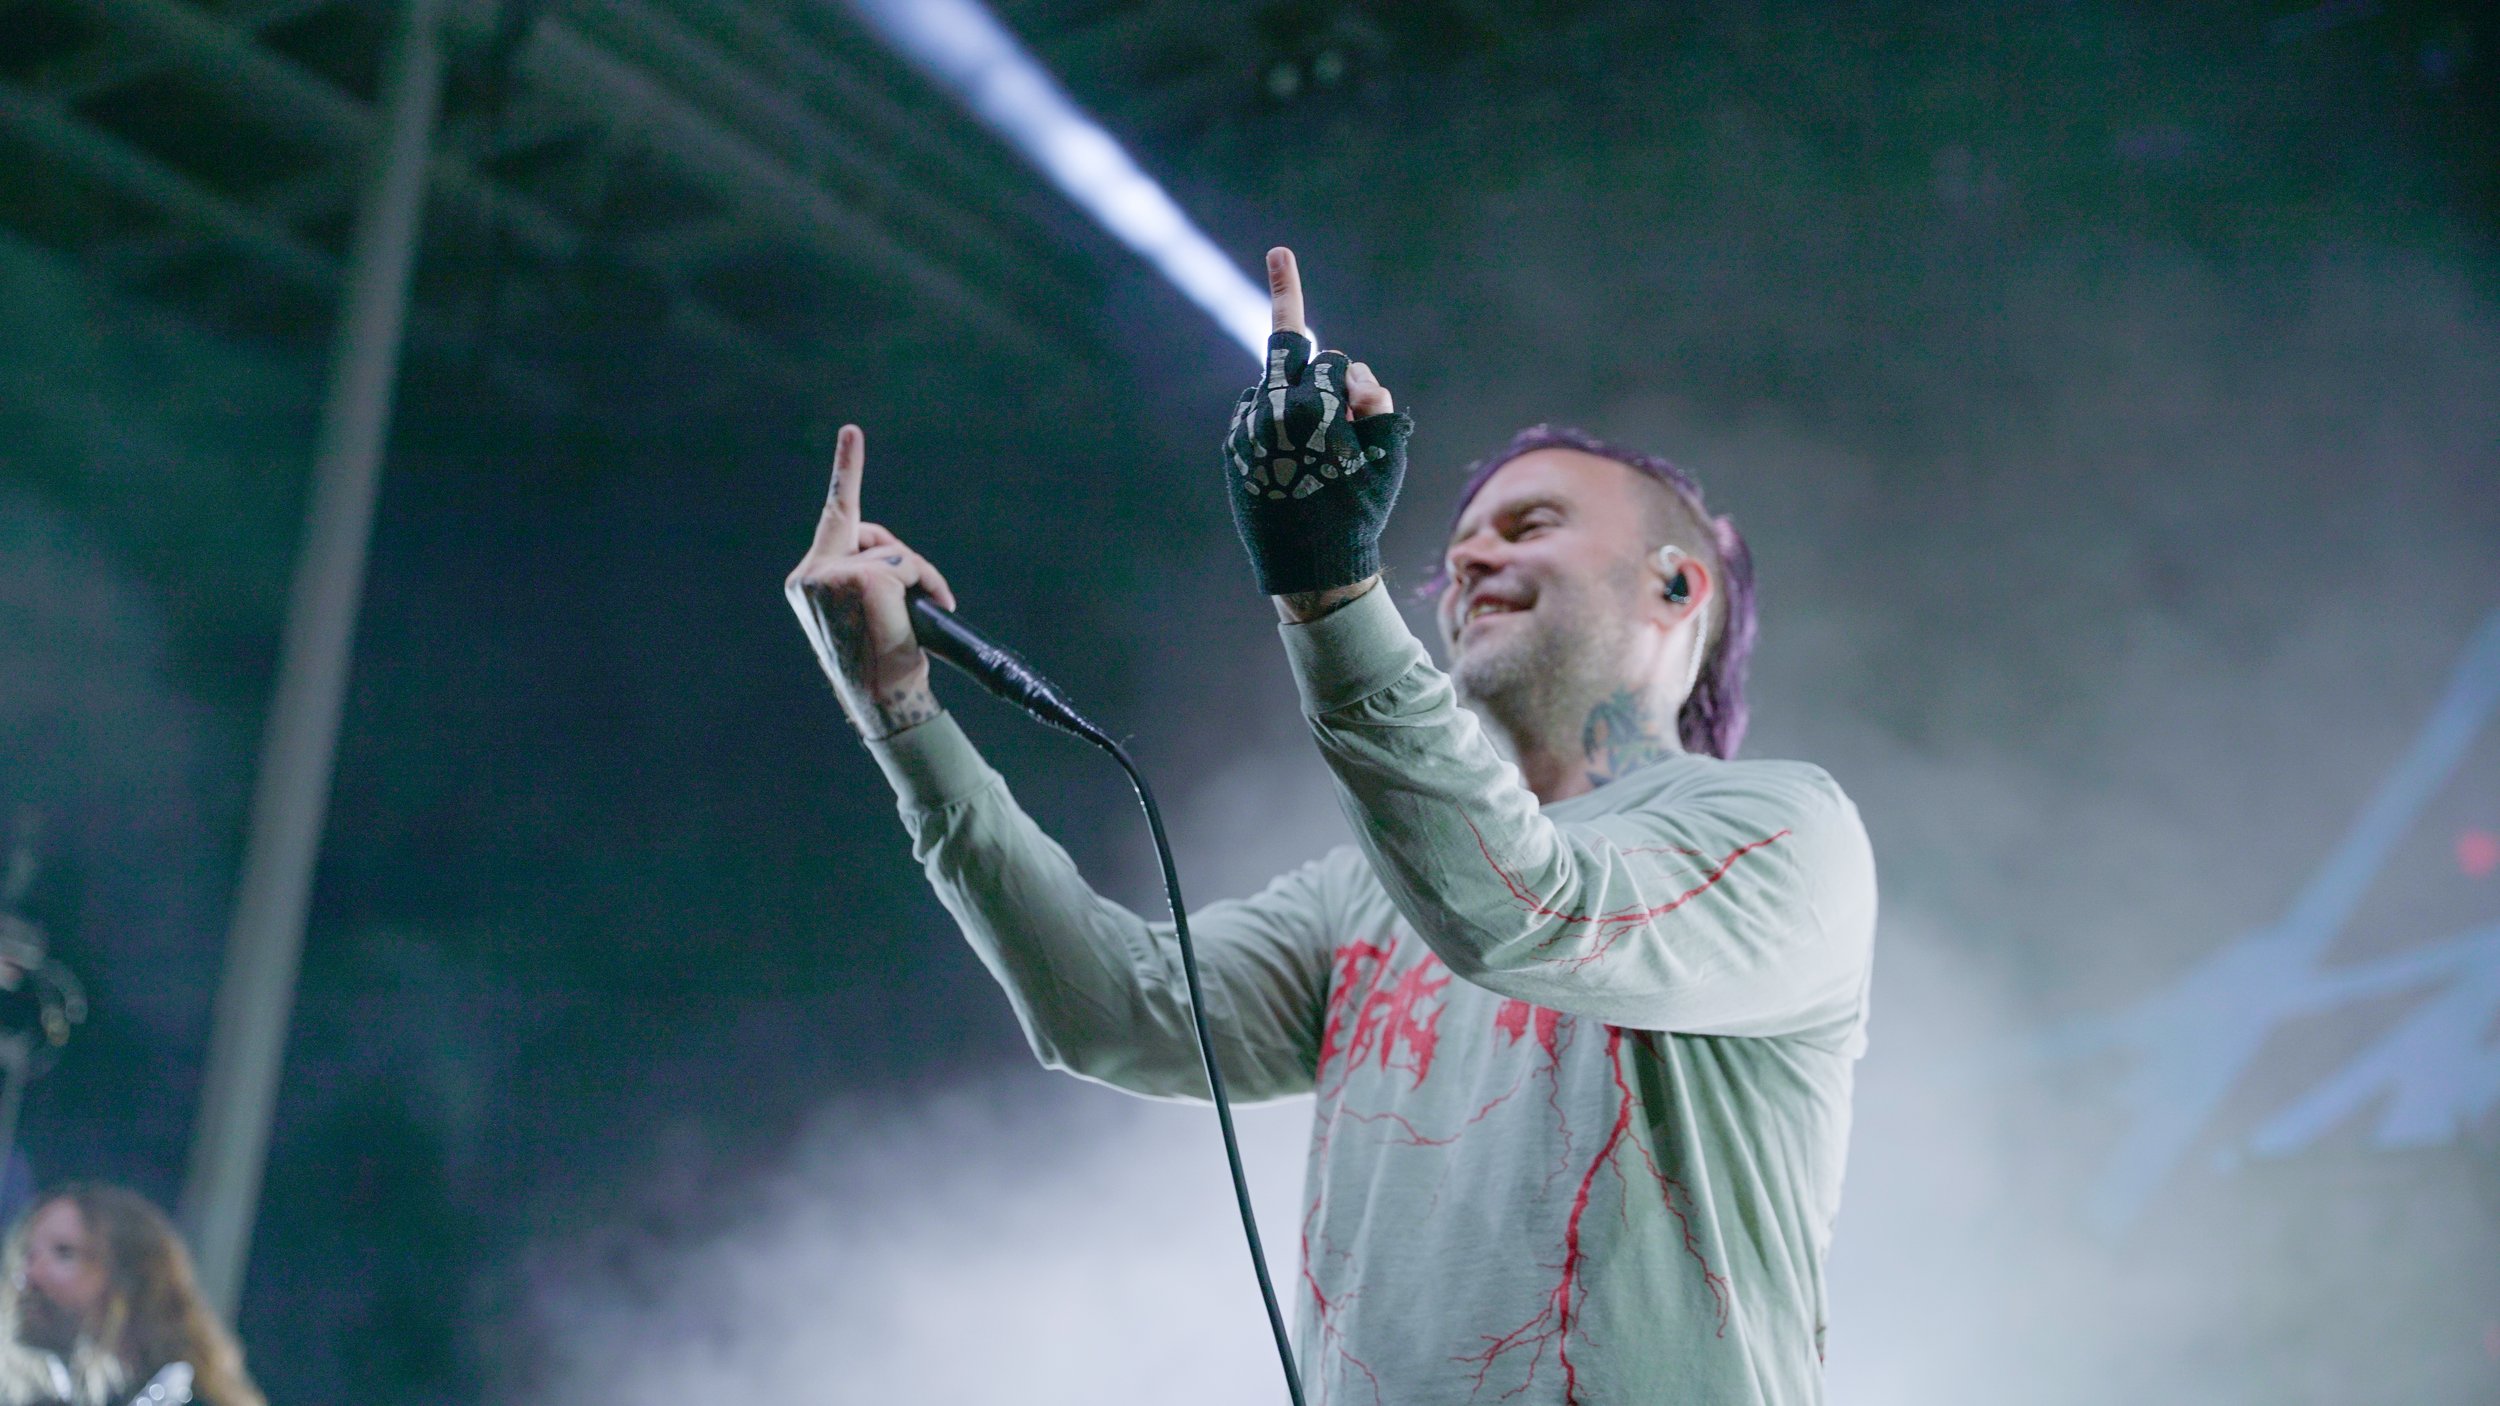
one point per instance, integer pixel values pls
(290, 800)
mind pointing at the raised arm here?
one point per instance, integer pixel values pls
(1097, 989)
(1701, 897)
(1735, 898)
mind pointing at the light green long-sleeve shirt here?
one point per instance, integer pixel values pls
(1582, 1070)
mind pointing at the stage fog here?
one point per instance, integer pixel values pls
(2113, 407)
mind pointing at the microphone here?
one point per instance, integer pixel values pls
(994, 668)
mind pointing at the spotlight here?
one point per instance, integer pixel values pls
(963, 46)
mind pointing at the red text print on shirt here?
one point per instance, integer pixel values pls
(1397, 1024)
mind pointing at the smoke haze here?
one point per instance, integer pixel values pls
(2108, 658)
(2111, 398)
(1010, 1240)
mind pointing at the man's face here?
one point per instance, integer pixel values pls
(1546, 585)
(65, 1279)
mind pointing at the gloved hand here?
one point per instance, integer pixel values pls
(1311, 486)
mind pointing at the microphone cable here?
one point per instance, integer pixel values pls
(1010, 678)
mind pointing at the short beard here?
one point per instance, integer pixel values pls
(1538, 689)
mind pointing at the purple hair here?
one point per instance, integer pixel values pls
(1713, 718)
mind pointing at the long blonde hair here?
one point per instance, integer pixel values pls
(154, 1313)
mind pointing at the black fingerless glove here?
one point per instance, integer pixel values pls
(1311, 488)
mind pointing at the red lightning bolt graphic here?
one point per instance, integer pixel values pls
(1609, 926)
(1555, 1322)
(1331, 1337)
(1386, 1019)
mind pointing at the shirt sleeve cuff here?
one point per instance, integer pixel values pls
(1350, 653)
(932, 766)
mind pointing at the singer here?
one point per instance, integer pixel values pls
(1581, 1024)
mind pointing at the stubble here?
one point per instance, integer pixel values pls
(1556, 664)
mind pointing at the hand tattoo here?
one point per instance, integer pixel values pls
(1621, 736)
(907, 708)
(877, 714)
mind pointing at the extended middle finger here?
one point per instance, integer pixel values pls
(837, 527)
(1284, 290)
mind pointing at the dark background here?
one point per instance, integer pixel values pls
(2111, 393)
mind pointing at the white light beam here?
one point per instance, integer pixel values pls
(962, 45)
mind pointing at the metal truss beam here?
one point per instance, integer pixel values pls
(979, 170)
(634, 106)
(610, 93)
(120, 63)
(640, 32)
(285, 94)
(133, 174)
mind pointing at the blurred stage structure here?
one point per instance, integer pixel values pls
(41, 1001)
(754, 178)
(211, 155)
(2429, 1080)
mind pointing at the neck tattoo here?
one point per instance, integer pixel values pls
(1621, 737)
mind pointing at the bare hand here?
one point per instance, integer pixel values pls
(848, 594)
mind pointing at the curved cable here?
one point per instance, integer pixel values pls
(1002, 673)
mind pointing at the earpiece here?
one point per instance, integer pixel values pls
(1679, 591)
(1679, 587)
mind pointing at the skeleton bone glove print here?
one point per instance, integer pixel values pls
(1311, 486)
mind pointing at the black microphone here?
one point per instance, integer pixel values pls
(994, 668)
